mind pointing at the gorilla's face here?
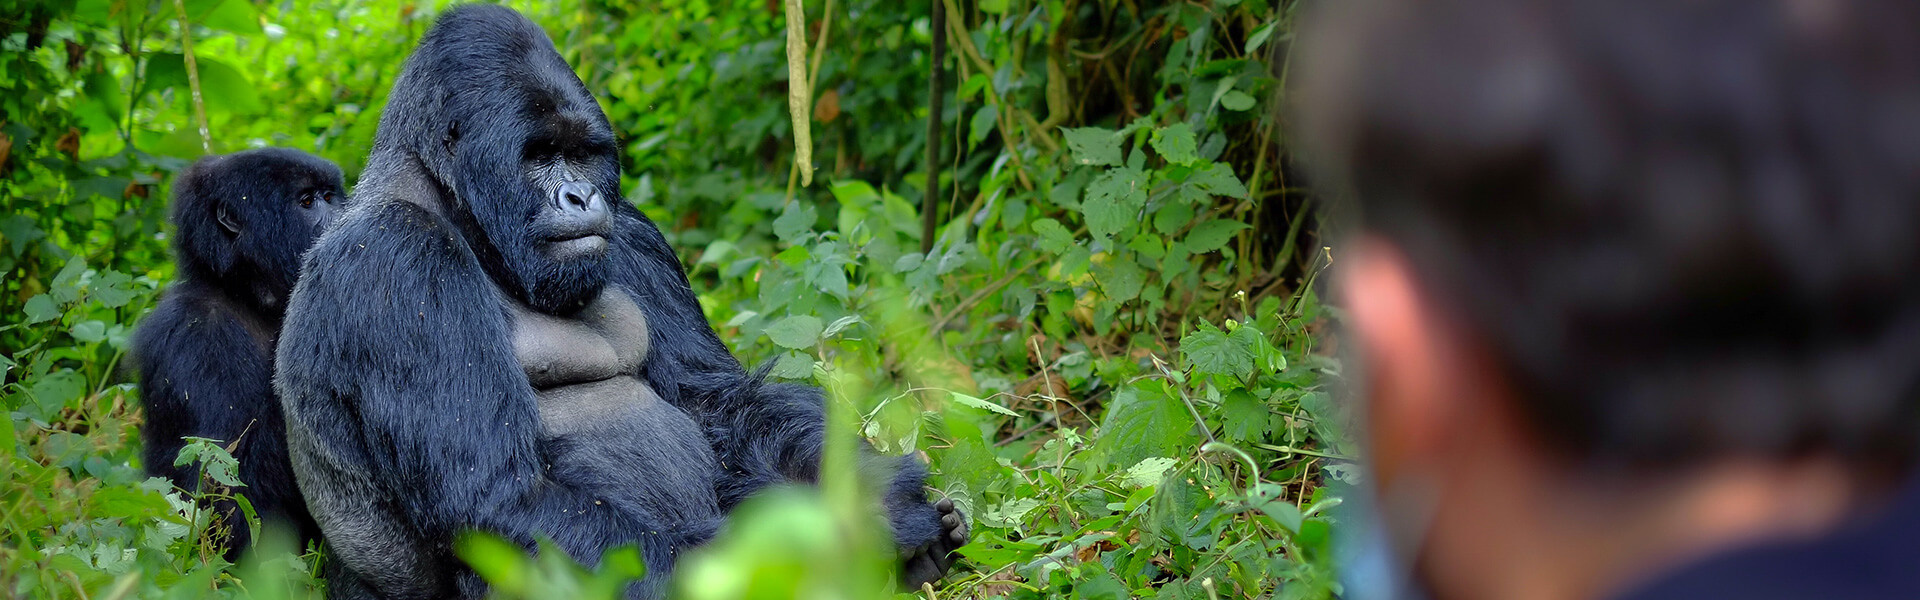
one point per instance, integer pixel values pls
(247, 217)
(540, 183)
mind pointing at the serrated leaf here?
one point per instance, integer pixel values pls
(1093, 145)
(1176, 144)
(908, 262)
(796, 331)
(1121, 278)
(1172, 216)
(1243, 417)
(1143, 422)
(1149, 471)
(1262, 348)
(1114, 201)
(1217, 180)
(1211, 235)
(796, 219)
(1210, 351)
(982, 403)
(793, 365)
(113, 289)
(1054, 237)
(89, 332)
(840, 324)
(41, 308)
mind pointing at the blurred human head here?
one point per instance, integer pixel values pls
(1620, 240)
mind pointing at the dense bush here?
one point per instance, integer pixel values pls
(1108, 355)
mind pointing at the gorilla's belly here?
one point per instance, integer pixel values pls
(619, 402)
(603, 427)
(618, 437)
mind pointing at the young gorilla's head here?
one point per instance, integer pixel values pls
(524, 160)
(244, 219)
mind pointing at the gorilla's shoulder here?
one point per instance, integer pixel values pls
(386, 231)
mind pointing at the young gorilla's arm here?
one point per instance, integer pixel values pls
(763, 433)
(177, 350)
(396, 362)
(203, 374)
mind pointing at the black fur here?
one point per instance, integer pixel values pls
(410, 417)
(205, 355)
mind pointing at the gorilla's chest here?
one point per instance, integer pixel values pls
(585, 368)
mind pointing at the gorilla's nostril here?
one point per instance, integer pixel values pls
(575, 195)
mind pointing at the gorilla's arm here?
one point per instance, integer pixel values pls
(204, 372)
(192, 352)
(762, 433)
(396, 355)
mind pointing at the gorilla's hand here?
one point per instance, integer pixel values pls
(930, 562)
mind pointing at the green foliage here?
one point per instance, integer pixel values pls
(1108, 358)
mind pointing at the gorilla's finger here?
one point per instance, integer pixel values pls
(950, 521)
(945, 505)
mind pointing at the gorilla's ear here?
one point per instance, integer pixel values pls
(451, 136)
(226, 220)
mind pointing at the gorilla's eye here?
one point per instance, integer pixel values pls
(306, 200)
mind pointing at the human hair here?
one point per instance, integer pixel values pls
(1682, 230)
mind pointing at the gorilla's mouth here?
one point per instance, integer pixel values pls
(579, 246)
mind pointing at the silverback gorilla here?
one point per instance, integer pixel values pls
(205, 355)
(494, 339)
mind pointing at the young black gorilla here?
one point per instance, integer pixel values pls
(494, 339)
(205, 355)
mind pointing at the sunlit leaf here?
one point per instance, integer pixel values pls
(796, 331)
(1094, 145)
(981, 403)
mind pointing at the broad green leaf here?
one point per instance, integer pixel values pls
(112, 289)
(1211, 235)
(1121, 278)
(795, 219)
(793, 365)
(1176, 144)
(1143, 422)
(973, 85)
(89, 332)
(1007, 514)
(1243, 417)
(1236, 100)
(1094, 145)
(237, 16)
(1218, 180)
(1284, 513)
(1053, 236)
(222, 87)
(41, 308)
(1114, 200)
(1172, 216)
(796, 331)
(501, 563)
(1260, 36)
(1210, 351)
(1101, 586)
(982, 403)
(982, 122)
(1149, 471)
